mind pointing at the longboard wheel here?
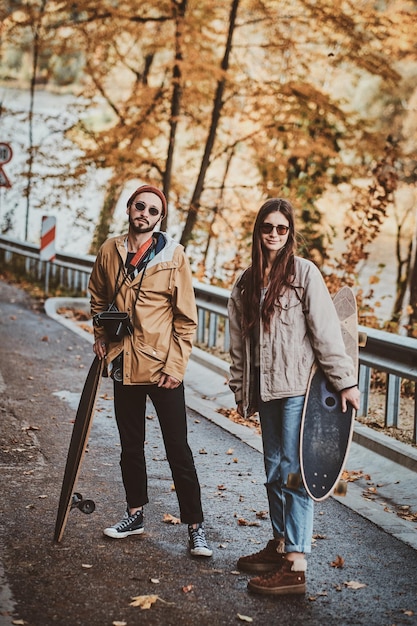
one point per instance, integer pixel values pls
(293, 481)
(341, 488)
(76, 500)
(87, 506)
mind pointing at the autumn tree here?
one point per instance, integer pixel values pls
(224, 104)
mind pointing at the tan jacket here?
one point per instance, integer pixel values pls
(304, 327)
(164, 315)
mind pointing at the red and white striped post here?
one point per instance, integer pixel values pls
(47, 251)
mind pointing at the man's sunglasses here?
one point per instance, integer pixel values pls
(267, 228)
(141, 206)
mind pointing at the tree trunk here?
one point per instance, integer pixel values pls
(215, 117)
(180, 9)
(412, 320)
(106, 216)
(31, 151)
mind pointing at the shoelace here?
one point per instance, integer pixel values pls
(198, 538)
(129, 519)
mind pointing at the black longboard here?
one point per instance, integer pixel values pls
(326, 432)
(76, 451)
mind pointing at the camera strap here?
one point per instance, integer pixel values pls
(143, 255)
(139, 256)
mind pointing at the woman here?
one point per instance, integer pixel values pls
(281, 319)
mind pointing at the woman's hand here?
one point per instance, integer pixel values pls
(352, 396)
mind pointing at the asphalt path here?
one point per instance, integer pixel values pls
(89, 579)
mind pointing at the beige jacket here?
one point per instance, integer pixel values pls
(164, 314)
(304, 327)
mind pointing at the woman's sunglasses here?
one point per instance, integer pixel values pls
(141, 206)
(267, 228)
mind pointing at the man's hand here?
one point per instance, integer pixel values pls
(99, 348)
(168, 382)
(352, 396)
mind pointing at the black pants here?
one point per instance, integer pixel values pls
(130, 408)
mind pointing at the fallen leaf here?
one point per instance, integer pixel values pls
(353, 584)
(319, 536)
(19, 622)
(243, 522)
(262, 514)
(170, 519)
(230, 451)
(86, 566)
(221, 487)
(409, 613)
(144, 602)
(202, 451)
(338, 562)
(119, 624)
(187, 588)
(244, 618)
(155, 581)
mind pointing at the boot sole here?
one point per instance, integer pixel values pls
(278, 591)
(257, 567)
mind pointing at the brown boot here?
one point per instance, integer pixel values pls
(289, 579)
(268, 559)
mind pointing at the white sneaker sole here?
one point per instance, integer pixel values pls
(201, 552)
(111, 532)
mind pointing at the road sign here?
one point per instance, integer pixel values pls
(47, 251)
(6, 154)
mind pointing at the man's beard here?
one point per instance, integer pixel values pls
(140, 228)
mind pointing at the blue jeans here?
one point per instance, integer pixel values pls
(291, 510)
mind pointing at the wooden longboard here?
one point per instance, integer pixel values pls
(76, 451)
(326, 432)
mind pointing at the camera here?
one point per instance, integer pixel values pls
(117, 369)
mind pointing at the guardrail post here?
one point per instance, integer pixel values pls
(364, 386)
(212, 331)
(392, 403)
(201, 325)
(226, 342)
(415, 416)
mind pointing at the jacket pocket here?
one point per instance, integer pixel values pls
(288, 308)
(150, 361)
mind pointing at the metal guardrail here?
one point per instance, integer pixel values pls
(394, 355)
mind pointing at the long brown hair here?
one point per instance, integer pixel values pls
(282, 271)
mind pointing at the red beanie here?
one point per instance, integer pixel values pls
(150, 189)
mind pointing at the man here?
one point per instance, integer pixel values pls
(146, 274)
